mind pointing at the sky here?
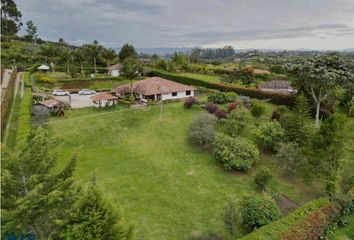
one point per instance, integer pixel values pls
(243, 24)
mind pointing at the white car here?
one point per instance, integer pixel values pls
(86, 92)
(60, 93)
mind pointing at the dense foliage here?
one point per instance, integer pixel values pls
(263, 178)
(259, 210)
(218, 98)
(235, 153)
(202, 130)
(269, 134)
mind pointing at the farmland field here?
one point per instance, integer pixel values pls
(166, 187)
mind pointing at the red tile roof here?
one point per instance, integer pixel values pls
(50, 103)
(103, 96)
(154, 85)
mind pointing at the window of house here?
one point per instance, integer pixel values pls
(174, 94)
(188, 93)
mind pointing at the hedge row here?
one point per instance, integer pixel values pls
(276, 98)
(26, 79)
(6, 103)
(279, 229)
(89, 79)
(24, 119)
(308, 222)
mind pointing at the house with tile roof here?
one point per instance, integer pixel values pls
(156, 88)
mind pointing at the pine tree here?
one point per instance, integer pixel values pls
(297, 123)
(94, 218)
(33, 199)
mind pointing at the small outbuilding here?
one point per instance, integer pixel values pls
(43, 68)
(104, 99)
(280, 86)
(46, 107)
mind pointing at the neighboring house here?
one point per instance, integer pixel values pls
(280, 86)
(115, 70)
(46, 107)
(156, 88)
(104, 99)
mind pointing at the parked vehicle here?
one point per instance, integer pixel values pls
(86, 92)
(60, 93)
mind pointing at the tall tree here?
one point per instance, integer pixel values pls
(80, 56)
(31, 31)
(94, 51)
(127, 51)
(320, 76)
(49, 52)
(66, 57)
(131, 70)
(108, 56)
(94, 218)
(10, 18)
(324, 153)
(34, 200)
(195, 55)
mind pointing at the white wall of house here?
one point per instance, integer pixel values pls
(115, 73)
(178, 95)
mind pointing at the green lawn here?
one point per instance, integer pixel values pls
(166, 187)
(203, 77)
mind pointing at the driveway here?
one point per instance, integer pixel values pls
(77, 101)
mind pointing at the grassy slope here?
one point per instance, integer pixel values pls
(346, 233)
(167, 187)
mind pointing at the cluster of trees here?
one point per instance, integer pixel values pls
(37, 201)
(11, 20)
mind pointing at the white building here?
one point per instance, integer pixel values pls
(156, 88)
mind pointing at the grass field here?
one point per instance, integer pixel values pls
(166, 187)
(203, 77)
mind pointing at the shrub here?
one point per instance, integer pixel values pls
(211, 107)
(275, 115)
(263, 178)
(230, 217)
(235, 122)
(246, 101)
(44, 78)
(351, 182)
(232, 96)
(259, 210)
(189, 102)
(218, 98)
(237, 154)
(289, 156)
(219, 113)
(257, 109)
(26, 79)
(269, 134)
(202, 130)
(231, 107)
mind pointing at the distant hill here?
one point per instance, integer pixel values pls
(158, 51)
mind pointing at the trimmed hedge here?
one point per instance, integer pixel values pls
(24, 119)
(307, 222)
(6, 103)
(88, 79)
(26, 79)
(276, 98)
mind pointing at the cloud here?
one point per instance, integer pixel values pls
(178, 23)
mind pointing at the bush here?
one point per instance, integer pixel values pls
(259, 210)
(257, 109)
(289, 156)
(219, 113)
(202, 130)
(41, 77)
(263, 178)
(232, 96)
(237, 154)
(211, 107)
(218, 98)
(230, 217)
(275, 115)
(269, 134)
(231, 107)
(246, 101)
(189, 102)
(26, 79)
(236, 121)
